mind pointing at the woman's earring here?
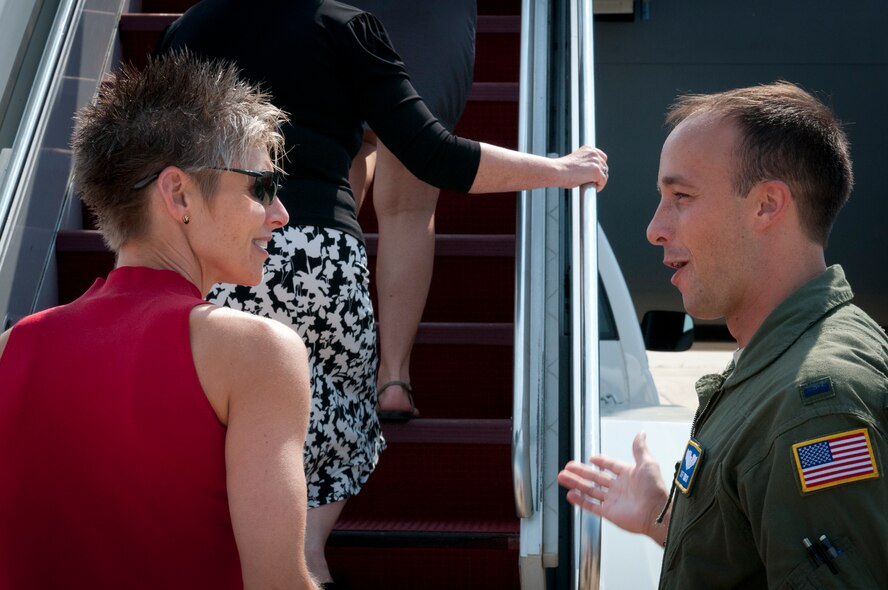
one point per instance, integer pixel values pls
(185, 219)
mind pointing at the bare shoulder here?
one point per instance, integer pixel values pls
(240, 356)
(231, 328)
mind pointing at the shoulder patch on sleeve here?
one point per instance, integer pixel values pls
(815, 391)
(835, 459)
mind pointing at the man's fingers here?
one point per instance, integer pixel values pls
(570, 479)
(585, 502)
(586, 489)
(592, 483)
(575, 472)
(612, 465)
(640, 449)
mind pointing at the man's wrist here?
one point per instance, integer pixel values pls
(659, 527)
(659, 531)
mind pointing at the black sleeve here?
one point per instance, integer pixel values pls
(397, 114)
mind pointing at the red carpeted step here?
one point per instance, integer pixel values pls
(469, 381)
(414, 565)
(476, 214)
(491, 121)
(497, 49)
(458, 471)
(463, 370)
(460, 213)
(440, 496)
(473, 278)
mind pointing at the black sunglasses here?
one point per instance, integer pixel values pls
(265, 187)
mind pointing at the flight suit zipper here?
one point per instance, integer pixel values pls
(699, 415)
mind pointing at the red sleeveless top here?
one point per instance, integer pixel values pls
(111, 457)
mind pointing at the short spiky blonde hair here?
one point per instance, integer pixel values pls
(179, 110)
(789, 135)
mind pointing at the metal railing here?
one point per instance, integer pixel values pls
(584, 296)
(528, 252)
(35, 197)
(32, 119)
(521, 477)
(532, 470)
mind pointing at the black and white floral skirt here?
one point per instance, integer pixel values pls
(317, 281)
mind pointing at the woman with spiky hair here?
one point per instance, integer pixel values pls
(149, 439)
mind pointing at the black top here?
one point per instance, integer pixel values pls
(331, 67)
(436, 42)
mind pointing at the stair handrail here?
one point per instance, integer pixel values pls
(23, 145)
(521, 446)
(584, 296)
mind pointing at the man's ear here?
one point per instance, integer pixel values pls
(177, 191)
(773, 200)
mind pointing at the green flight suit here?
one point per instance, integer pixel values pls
(817, 367)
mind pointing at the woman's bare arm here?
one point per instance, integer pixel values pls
(255, 373)
(503, 170)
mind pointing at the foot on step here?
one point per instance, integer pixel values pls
(393, 406)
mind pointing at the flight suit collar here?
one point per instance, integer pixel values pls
(708, 385)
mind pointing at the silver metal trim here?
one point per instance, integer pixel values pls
(521, 471)
(46, 77)
(584, 296)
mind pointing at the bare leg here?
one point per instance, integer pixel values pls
(405, 209)
(318, 525)
(360, 175)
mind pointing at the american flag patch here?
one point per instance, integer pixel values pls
(836, 459)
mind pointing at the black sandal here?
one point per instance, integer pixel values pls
(397, 415)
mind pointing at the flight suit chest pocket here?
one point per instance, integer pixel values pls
(695, 526)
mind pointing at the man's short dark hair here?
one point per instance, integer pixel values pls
(788, 135)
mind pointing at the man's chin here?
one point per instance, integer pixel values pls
(699, 311)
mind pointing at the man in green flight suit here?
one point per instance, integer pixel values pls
(782, 482)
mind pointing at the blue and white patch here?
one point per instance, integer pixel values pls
(690, 463)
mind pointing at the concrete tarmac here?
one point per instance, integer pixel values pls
(676, 372)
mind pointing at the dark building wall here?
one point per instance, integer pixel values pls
(837, 49)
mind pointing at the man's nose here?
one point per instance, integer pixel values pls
(657, 230)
